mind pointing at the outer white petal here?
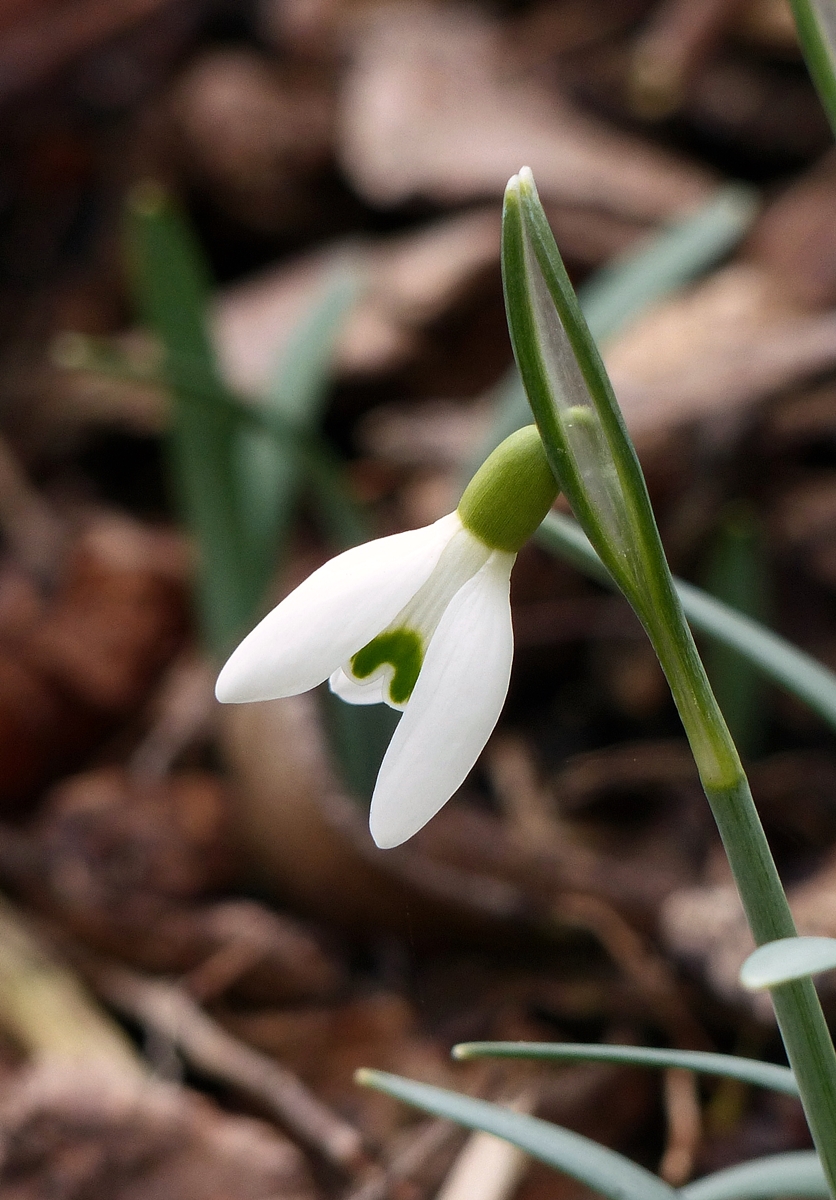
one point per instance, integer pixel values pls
(352, 692)
(455, 705)
(332, 615)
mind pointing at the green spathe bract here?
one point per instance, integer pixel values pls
(590, 452)
(572, 400)
(403, 650)
(510, 494)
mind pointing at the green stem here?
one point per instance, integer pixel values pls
(797, 1008)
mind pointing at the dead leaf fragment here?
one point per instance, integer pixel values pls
(715, 349)
(117, 1137)
(430, 109)
(255, 137)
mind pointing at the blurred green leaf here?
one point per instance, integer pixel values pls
(816, 24)
(736, 574)
(779, 661)
(270, 468)
(171, 284)
(237, 465)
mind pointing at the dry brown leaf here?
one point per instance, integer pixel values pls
(715, 349)
(769, 24)
(52, 34)
(796, 237)
(255, 137)
(75, 665)
(673, 45)
(94, 1132)
(127, 865)
(408, 281)
(307, 841)
(431, 109)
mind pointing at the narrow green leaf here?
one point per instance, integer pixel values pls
(604, 1170)
(776, 658)
(786, 959)
(171, 285)
(797, 1174)
(768, 1075)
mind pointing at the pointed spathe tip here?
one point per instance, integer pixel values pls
(392, 823)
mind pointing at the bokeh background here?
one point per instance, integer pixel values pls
(199, 943)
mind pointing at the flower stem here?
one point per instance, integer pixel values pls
(797, 1008)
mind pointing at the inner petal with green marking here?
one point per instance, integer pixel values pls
(403, 650)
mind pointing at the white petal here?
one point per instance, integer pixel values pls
(332, 615)
(455, 705)
(352, 692)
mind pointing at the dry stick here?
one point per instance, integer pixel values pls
(487, 1166)
(185, 708)
(430, 1139)
(643, 966)
(168, 1011)
(682, 1108)
(526, 807)
(652, 978)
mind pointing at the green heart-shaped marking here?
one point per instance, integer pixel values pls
(403, 649)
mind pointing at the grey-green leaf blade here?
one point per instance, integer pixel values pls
(768, 1075)
(609, 1173)
(797, 1174)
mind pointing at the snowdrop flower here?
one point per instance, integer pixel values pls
(420, 621)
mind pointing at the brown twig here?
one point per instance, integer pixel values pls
(652, 978)
(684, 1118)
(167, 1010)
(646, 970)
(184, 707)
(487, 1166)
(430, 1139)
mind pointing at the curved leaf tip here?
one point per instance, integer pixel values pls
(787, 959)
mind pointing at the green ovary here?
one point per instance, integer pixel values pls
(403, 649)
(510, 494)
